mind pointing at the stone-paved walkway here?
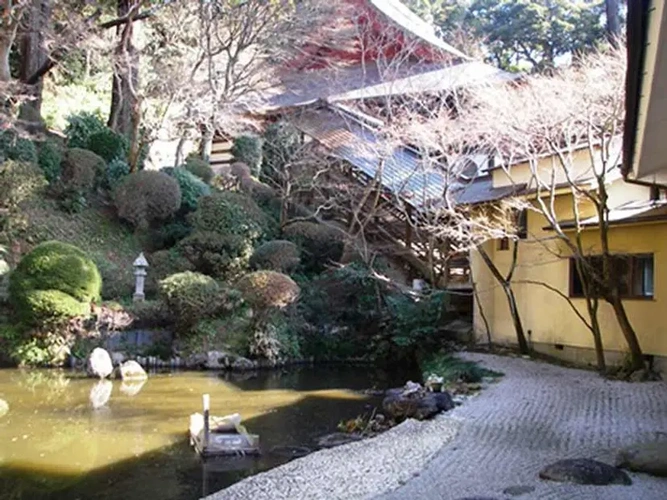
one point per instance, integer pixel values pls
(536, 414)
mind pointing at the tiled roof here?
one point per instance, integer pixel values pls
(404, 173)
(368, 81)
(411, 23)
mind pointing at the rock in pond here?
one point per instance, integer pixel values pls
(243, 364)
(413, 401)
(584, 471)
(4, 408)
(649, 458)
(211, 360)
(99, 363)
(131, 370)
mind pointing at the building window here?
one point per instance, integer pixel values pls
(504, 244)
(635, 273)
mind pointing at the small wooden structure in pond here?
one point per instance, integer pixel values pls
(221, 436)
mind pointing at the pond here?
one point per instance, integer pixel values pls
(67, 437)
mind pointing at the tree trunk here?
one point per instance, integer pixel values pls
(136, 142)
(636, 357)
(206, 146)
(511, 300)
(33, 56)
(613, 22)
(516, 319)
(592, 303)
(125, 77)
(5, 50)
(597, 340)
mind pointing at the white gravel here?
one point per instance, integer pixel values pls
(356, 470)
(538, 413)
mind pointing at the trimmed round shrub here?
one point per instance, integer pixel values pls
(248, 149)
(115, 172)
(169, 234)
(240, 170)
(194, 296)
(109, 145)
(319, 244)
(215, 254)
(192, 188)
(49, 160)
(19, 182)
(164, 263)
(199, 168)
(231, 213)
(52, 305)
(147, 196)
(277, 255)
(80, 168)
(80, 127)
(267, 289)
(14, 147)
(54, 281)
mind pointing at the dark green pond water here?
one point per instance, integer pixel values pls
(59, 439)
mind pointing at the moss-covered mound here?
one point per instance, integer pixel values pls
(54, 281)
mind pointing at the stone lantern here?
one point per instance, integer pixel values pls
(140, 266)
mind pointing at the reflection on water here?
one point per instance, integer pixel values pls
(66, 437)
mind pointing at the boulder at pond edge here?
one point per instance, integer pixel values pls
(131, 370)
(99, 363)
(413, 401)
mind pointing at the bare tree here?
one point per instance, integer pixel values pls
(566, 128)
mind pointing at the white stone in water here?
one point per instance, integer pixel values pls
(4, 407)
(131, 370)
(99, 363)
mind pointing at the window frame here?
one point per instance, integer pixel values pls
(632, 258)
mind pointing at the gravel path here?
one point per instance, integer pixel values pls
(536, 414)
(356, 470)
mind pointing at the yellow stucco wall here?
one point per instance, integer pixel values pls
(524, 173)
(549, 317)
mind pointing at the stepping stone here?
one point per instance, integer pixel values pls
(584, 471)
(518, 490)
(479, 498)
(650, 458)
